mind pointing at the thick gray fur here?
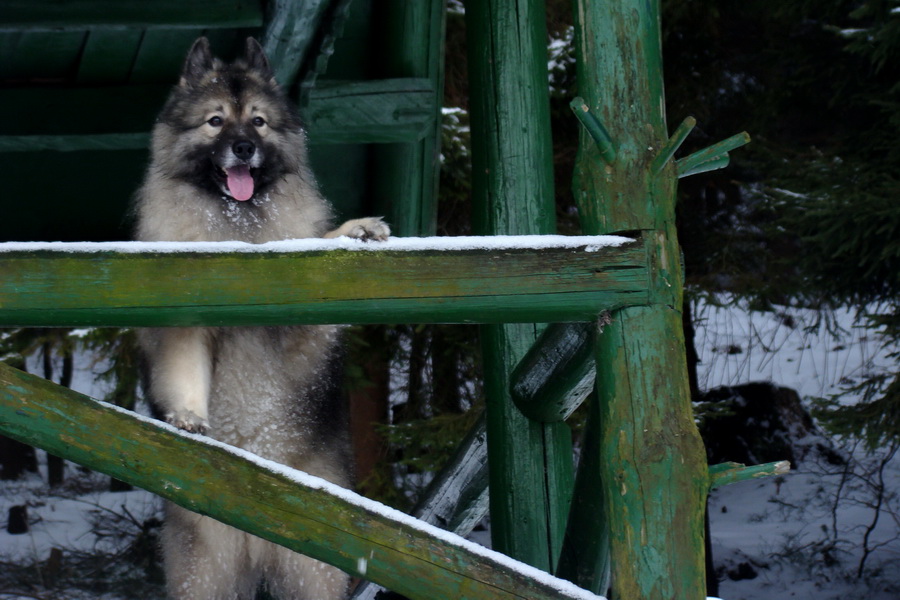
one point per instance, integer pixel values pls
(268, 390)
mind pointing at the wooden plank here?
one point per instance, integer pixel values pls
(557, 373)
(8, 42)
(380, 111)
(52, 15)
(651, 459)
(584, 558)
(46, 56)
(288, 37)
(64, 111)
(287, 507)
(405, 190)
(74, 143)
(108, 56)
(76, 288)
(457, 497)
(161, 55)
(512, 185)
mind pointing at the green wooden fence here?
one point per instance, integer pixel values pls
(635, 507)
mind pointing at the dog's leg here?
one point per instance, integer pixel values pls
(369, 228)
(181, 369)
(205, 559)
(292, 575)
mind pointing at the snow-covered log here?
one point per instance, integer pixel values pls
(291, 508)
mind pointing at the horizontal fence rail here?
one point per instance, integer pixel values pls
(287, 507)
(403, 280)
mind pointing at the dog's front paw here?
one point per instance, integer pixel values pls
(187, 420)
(367, 229)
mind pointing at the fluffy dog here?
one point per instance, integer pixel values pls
(229, 162)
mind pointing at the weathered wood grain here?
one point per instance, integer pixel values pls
(307, 516)
(531, 471)
(557, 373)
(406, 173)
(290, 30)
(58, 288)
(652, 463)
(383, 111)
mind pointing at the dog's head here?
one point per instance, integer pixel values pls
(228, 128)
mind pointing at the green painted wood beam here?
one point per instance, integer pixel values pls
(406, 178)
(557, 373)
(72, 288)
(291, 27)
(732, 472)
(108, 55)
(457, 497)
(307, 515)
(52, 15)
(381, 111)
(584, 558)
(512, 185)
(74, 143)
(86, 110)
(652, 464)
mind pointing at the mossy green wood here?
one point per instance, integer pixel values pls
(406, 174)
(212, 479)
(60, 288)
(530, 462)
(652, 459)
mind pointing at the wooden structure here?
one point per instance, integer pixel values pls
(80, 89)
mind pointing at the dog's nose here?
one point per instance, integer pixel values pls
(243, 149)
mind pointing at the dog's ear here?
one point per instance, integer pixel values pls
(256, 59)
(198, 63)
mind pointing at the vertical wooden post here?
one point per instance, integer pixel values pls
(654, 476)
(406, 177)
(530, 462)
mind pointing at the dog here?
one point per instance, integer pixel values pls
(229, 162)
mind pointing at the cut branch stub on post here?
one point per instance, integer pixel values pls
(673, 144)
(732, 472)
(709, 159)
(601, 136)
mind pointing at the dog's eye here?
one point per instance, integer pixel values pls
(216, 121)
(258, 121)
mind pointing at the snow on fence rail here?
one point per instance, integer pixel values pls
(288, 507)
(418, 280)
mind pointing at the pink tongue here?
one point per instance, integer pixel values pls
(240, 183)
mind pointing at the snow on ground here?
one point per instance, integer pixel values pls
(803, 535)
(69, 518)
